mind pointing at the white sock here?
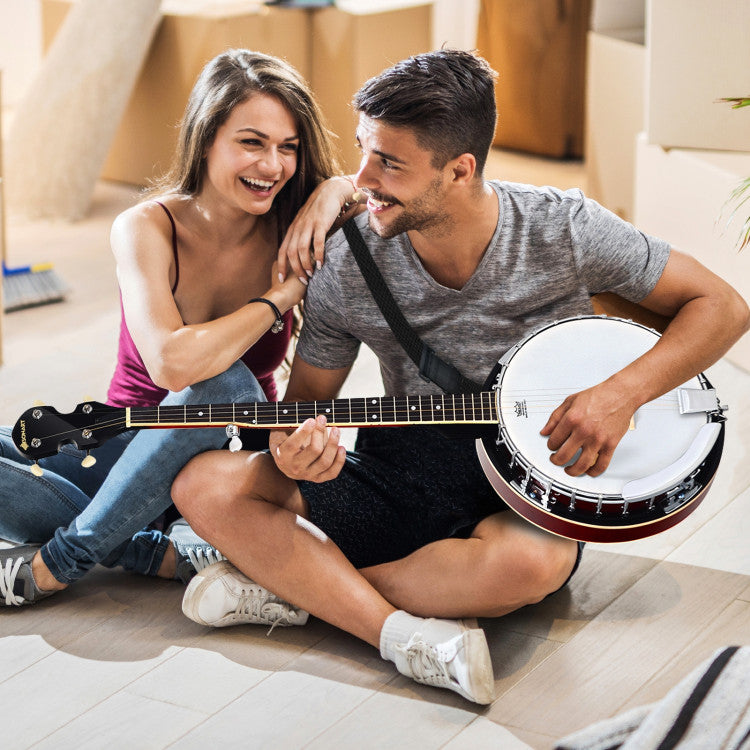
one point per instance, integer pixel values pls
(397, 629)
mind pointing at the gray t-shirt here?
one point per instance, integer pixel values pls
(550, 251)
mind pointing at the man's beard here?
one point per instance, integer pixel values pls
(421, 215)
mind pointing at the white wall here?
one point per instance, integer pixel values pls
(454, 23)
(20, 46)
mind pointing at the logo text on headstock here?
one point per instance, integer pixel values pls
(24, 444)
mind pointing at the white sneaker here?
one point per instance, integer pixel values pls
(448, 654)
(220, 595)
(192, 553)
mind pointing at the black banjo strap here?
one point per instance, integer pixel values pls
(431, 367)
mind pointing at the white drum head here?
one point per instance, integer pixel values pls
(580, 353)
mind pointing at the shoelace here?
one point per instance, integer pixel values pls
(425, 663)
(258, 602)
(8, 575)
(202, 557)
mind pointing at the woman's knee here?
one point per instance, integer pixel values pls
(236, 384)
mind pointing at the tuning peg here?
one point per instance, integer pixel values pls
(36, 469)
(37, 402)
(233, 433)
(87, 398)
(88, 461)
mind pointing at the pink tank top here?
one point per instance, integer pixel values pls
(132, 386)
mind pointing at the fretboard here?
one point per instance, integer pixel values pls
(468, 408)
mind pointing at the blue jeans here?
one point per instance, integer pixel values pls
(100, 514)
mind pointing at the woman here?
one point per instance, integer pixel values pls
(206, 319)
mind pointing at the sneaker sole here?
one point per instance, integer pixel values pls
(196, 587)
(482, 687)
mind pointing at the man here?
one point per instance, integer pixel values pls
(407, 528)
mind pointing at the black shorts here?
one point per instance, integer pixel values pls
(401, 489)
(404, 487)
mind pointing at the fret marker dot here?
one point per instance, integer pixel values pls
(374, 416)
(285, 411)
(328, 411)
(413, 408)
(245, 413)
(200, 413)
(437, 408)
(374, 401)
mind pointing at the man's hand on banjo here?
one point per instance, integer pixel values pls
(311, 452)
(593, 422)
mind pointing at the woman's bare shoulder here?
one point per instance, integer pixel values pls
(145, 222)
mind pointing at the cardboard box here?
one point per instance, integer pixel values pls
(539, 50)
(53, 15)
(190, 34)
(615, 115)
(336, 49)
(698, 53)
(355, 41)
(616, 15)
(681, 196)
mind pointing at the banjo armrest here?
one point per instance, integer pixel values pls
(670, 476)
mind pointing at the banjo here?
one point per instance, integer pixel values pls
(661, 469)
(659, 473)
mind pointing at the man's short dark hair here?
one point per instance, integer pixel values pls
(447, 97)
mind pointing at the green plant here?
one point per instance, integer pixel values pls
(741, 194)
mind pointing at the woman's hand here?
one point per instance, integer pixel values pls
(303, 245)
(285, 293)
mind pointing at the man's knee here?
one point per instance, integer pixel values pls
(191, 485)
(526, 563)
(213, 484)
(210, 485)
(549, 564)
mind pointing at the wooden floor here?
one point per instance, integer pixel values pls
(112, 663)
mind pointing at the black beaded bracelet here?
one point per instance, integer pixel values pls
(278, 324)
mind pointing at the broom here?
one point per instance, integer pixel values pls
(25, 286)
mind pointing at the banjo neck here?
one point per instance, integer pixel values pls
(440, 409)
(42, 431)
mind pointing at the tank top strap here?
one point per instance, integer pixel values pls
(174, 245)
